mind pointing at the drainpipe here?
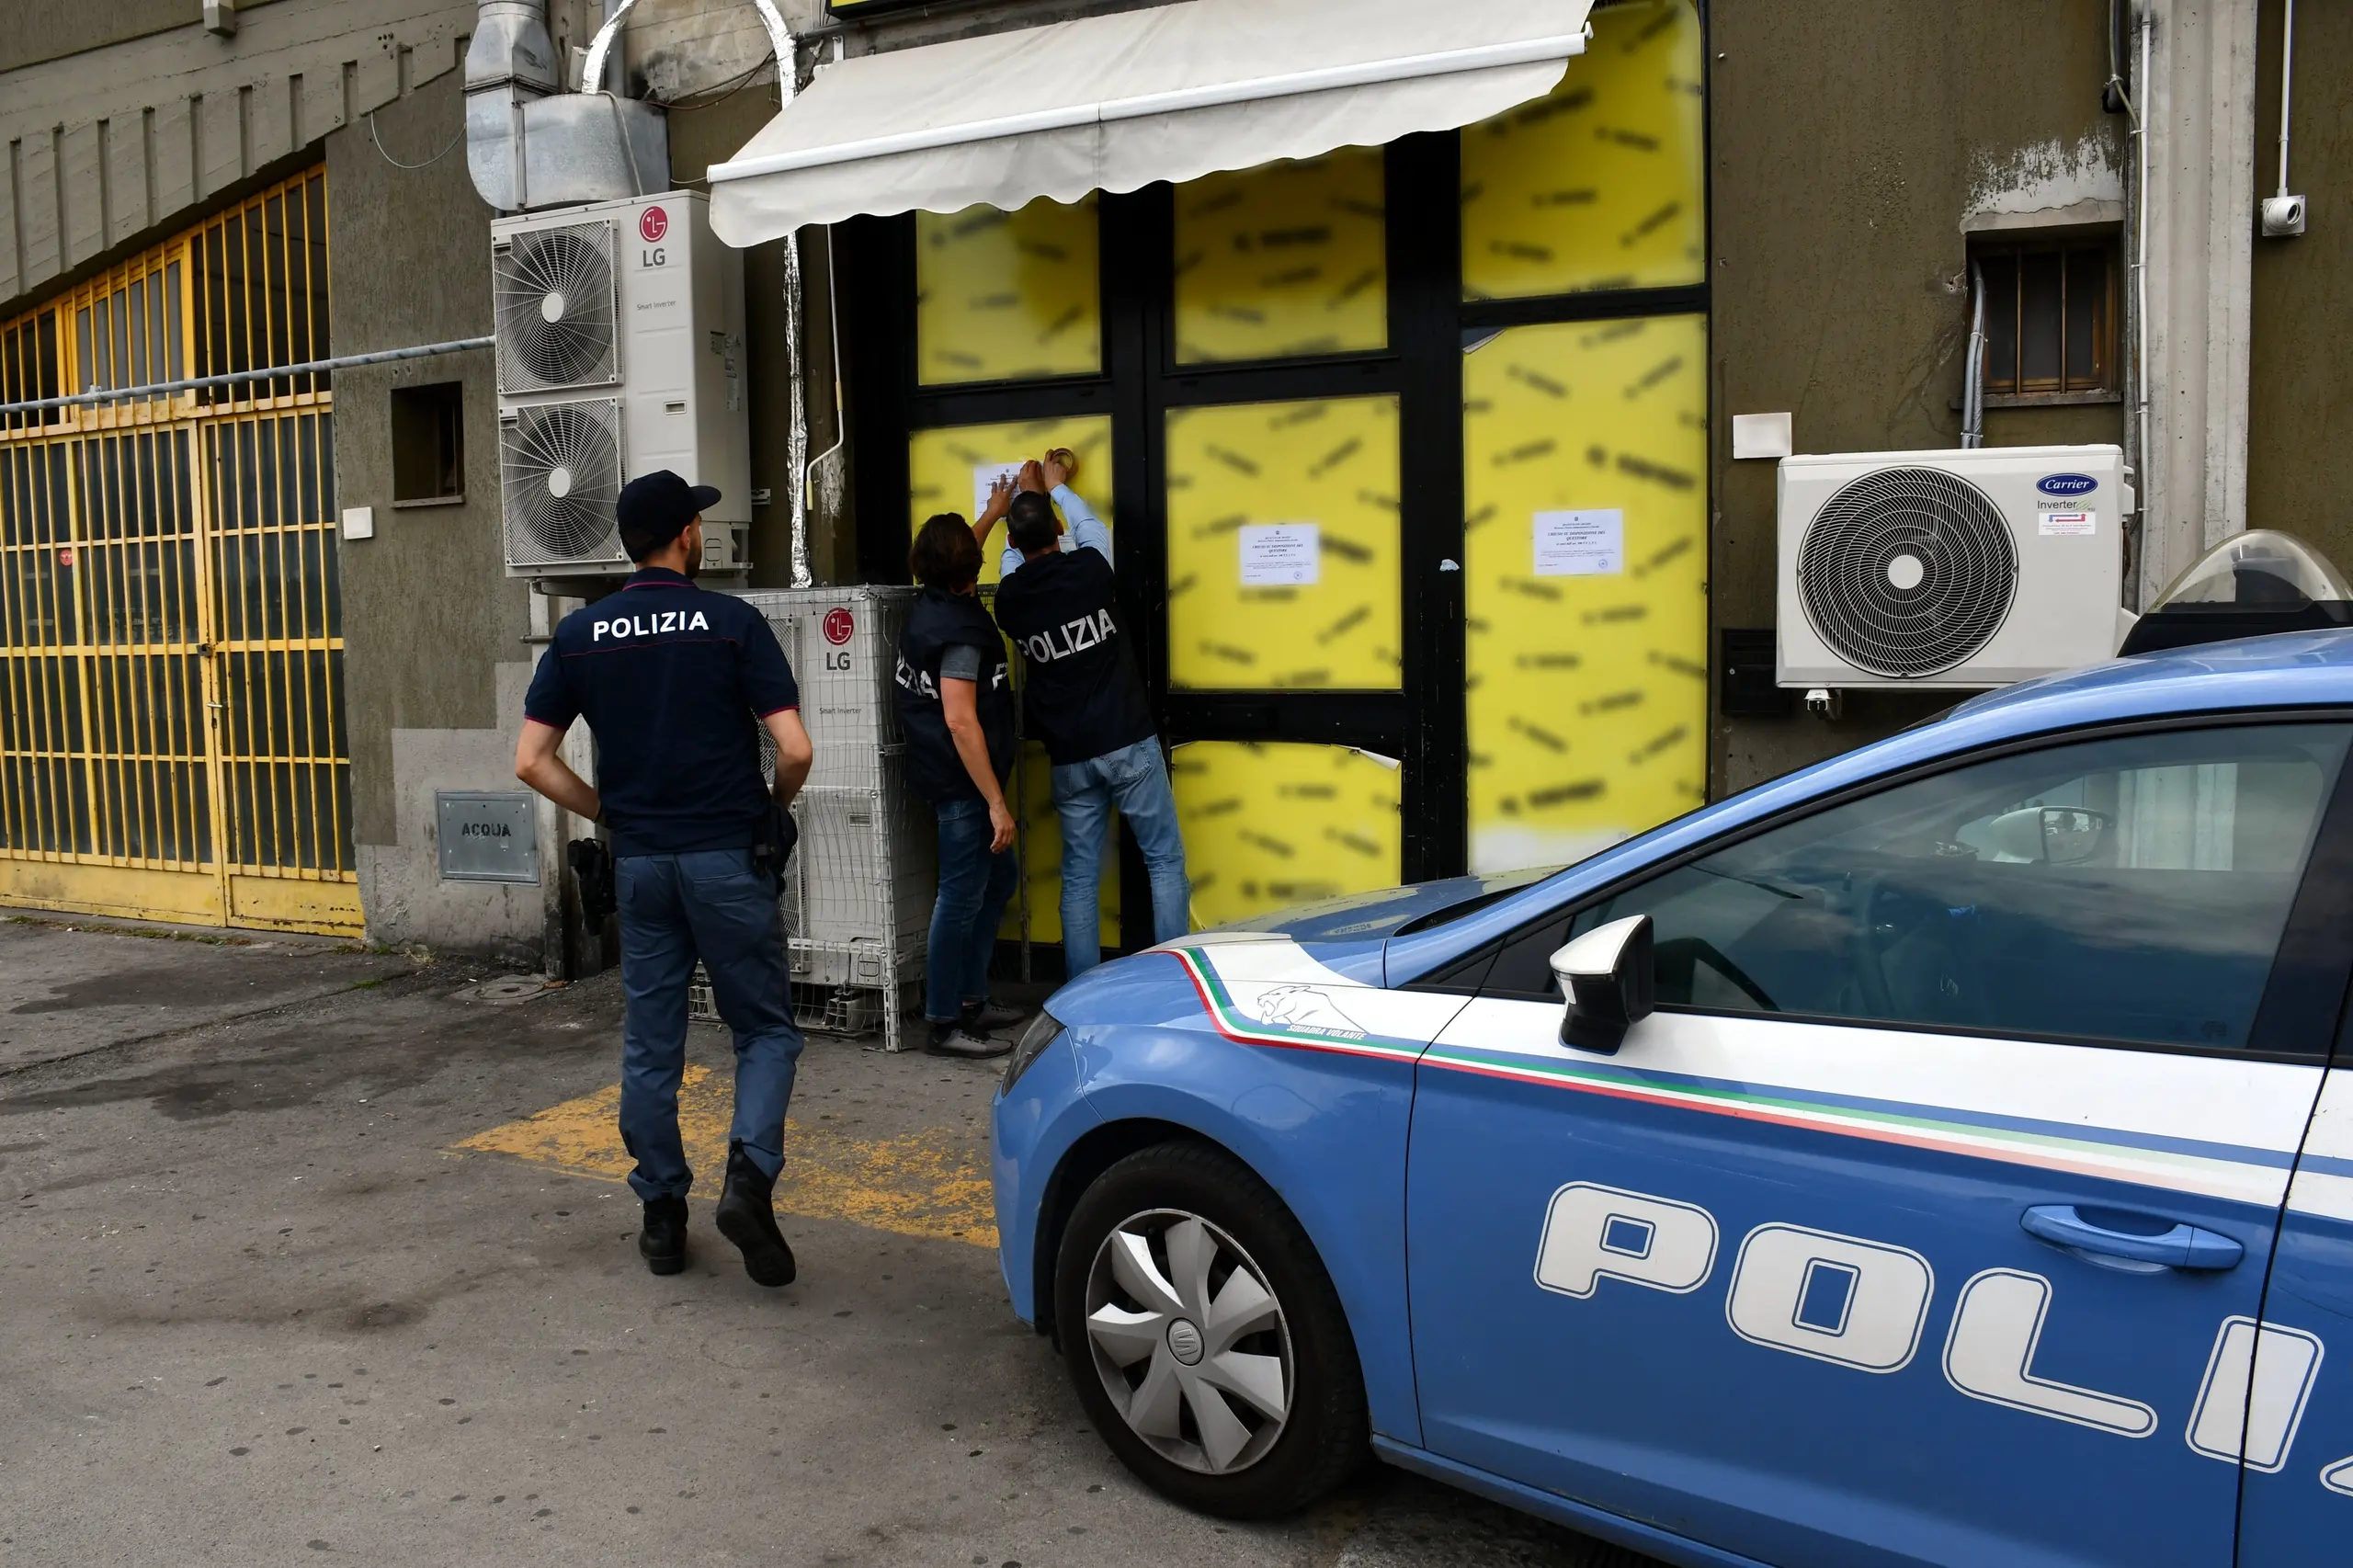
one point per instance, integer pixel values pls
(2125, 25)
(1972, 386)
(2142, 479)
(510, 63)
(796, 440)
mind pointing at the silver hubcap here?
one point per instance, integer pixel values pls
(1189, 1342)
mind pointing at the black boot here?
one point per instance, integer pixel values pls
(662, 1242)
(745, 1218)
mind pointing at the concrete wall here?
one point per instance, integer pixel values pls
(51, 30)
(677, 49)
(433, 629)
(1849, 142)
(2300, 465)
(101, 150)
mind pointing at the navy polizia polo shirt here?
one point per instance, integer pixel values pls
(672, 681)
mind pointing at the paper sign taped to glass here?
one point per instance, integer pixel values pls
(984, 478)
(1282, 555)
(1588, 543)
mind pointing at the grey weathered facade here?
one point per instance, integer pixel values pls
(1855, 150)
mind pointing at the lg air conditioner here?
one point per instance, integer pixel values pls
(619, 346)
(1948, 569)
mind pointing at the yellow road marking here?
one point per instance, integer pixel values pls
(932, 1183)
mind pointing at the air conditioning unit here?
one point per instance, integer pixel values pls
(619, 346)
(1950, 569)
(857, 908)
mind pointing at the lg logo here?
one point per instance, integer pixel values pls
(652, 224)
(839, 627)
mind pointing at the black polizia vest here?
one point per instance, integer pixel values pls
(1082, 693)
(940, 621)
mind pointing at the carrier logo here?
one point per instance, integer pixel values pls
(652, 224)
(839, 625)
(2068, 484)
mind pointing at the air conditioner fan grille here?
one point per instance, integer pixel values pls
(562, 467)
(552, 294)
(1907, 571)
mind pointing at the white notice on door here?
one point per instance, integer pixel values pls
(1282, 555)
(985, 475)
(2075, 524)
(1589, 543)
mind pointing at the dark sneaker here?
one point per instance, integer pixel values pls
(955, 1039)
(744, 1218)
(662, 1242)
(981, 1017)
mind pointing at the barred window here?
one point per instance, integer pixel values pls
(2050, 318)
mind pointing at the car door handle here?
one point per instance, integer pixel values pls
(2184, 1247)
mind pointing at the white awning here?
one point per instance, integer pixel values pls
(1115, 102)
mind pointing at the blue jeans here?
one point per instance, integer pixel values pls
(715, 904)
(974, 888)
(1135, 779)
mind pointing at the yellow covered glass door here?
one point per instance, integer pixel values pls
(1584, 458)
(1283, 592)
(1283, 546)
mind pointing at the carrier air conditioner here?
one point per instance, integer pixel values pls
(619, 348)
(1951, 569)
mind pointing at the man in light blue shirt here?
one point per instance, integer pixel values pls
(1087, 531)
(1058, 601)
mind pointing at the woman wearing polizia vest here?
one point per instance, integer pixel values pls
(955, 700)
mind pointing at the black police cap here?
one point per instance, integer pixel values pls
(655, 508)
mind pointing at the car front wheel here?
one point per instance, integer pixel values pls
(1204, 1336)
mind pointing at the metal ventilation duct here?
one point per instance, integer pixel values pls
(530, 145)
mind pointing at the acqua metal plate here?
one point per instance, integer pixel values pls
(487, 836)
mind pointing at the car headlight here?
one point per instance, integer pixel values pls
(1043, 1030)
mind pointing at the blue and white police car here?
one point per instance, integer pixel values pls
(1930, 1157)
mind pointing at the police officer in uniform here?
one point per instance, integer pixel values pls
(676, 684)
(1084, 700)
(955, 703)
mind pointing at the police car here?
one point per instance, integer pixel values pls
(1929, 1157)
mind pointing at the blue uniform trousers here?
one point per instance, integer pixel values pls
(712, 903)
(974, 888)
(1135, 780)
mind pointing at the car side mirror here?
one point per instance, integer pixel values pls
(2071, 836)
(1606, 975)
(2051, 835)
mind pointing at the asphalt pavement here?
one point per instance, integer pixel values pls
(310, 1251)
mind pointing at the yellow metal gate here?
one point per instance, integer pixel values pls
(172, 740)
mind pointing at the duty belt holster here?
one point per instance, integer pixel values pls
(774, 850)
(592, 867)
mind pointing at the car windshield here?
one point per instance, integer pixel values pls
(1495, 888)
